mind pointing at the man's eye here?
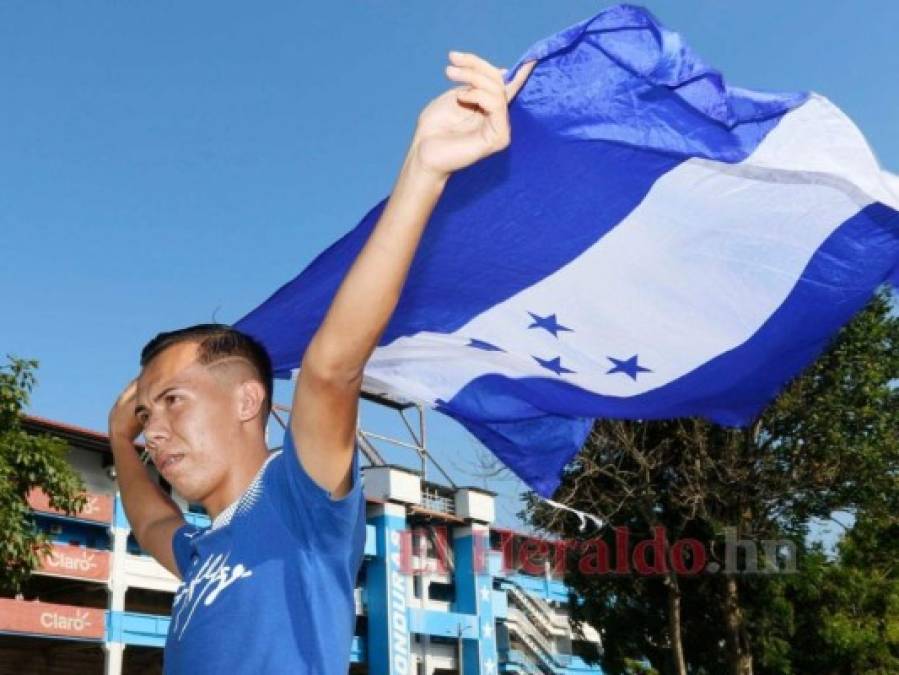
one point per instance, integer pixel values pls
(172, 398)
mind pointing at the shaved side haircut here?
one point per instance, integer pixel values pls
(218, 342)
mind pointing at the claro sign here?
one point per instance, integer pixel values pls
(75, 561)
(44, 618)
(98, 507)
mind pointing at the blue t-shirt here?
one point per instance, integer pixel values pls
(268, 587)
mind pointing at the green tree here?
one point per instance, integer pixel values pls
(27, 461)
(847, 610)
(828, 443)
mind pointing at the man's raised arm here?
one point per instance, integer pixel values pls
(455, 130)
(153, 515)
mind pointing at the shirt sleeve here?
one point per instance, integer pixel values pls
(311, 512)
(181, 547)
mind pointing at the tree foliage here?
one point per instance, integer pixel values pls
(848, 610)
(27, 461)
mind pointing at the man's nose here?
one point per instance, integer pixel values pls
(156, 431)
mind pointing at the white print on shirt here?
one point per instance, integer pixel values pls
(212, 578)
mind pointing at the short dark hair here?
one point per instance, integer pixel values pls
(217, 341)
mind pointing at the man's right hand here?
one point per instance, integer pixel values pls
(123, 423)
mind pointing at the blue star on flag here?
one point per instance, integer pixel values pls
(548, 323)
(629, 367)
(554, 365)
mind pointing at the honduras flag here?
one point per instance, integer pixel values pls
(653, 244)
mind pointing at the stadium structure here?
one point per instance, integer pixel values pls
(441, 591)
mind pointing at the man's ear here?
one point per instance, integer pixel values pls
(250, 399)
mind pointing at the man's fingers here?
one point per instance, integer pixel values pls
(474, 61)
(489, 103)
(490, 73)
(475, 79)
(129, 391)
(520, 78)
(494, 111)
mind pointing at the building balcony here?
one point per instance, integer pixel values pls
(142, 571)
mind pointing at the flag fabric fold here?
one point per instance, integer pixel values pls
(654, 243)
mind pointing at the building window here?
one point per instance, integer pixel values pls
(442, 592)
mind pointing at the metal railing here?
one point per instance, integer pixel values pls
(368, 441)
(520, 624)
(433, 500)
(519, 658)
(537, 608)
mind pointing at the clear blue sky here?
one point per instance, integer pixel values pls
(165, 163)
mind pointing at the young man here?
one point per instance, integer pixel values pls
(268, 588)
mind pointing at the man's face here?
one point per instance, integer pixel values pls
(188, 415)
